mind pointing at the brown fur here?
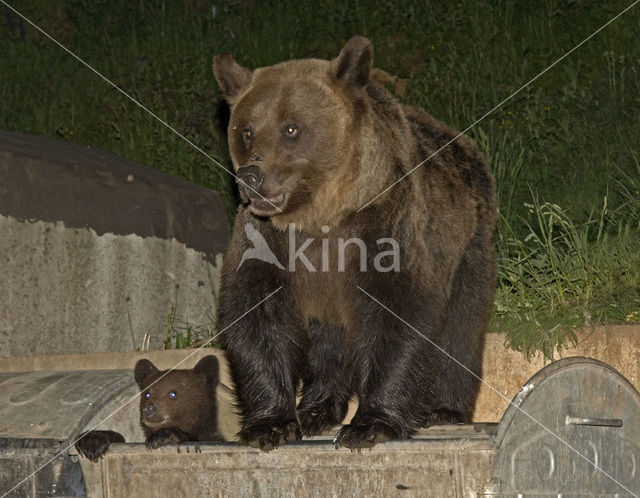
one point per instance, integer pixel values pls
(190, 415)
(354, 140)
(178, 405)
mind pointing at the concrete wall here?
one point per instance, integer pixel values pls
(95, 250)
(506, 371)
(72, 290)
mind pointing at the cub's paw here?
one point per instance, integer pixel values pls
(317, 417)
(443, 416)
(163, 437)
(359, 436)
(94, 444)
(268, 436)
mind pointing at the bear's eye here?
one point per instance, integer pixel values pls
(173, 395)
(147, 395)
(290, 131)
(247, 134)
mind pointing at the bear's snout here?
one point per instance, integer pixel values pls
(267, 193)
(148, 411)
(250, 177)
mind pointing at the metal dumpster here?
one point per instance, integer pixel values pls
(41, 412)
(572, 430)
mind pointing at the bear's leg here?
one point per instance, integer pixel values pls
(266, 352)
(94, 444)
(326, 389)
(396, 368)
(468, 312)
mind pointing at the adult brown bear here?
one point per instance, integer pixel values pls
(312, 142)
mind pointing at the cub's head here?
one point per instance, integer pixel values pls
(294, 132)
(177, 398)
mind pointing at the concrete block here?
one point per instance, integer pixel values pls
(95, 250)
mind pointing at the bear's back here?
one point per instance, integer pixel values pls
(457, 153)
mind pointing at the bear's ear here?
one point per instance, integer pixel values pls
(232, 77)
(353, 66)
(209, 367)
(142, 371)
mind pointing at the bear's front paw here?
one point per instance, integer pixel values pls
(268, 436)
(163, 437)
(94, 444)
(359, 436)
(316, 418)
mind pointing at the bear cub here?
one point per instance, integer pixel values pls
(176, 406)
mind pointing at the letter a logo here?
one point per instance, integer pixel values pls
(260, 249)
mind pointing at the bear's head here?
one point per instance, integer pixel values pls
(295, 134)
(182, 399)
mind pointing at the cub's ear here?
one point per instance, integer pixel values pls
(142, 371)
(209, 367)
(232, 78)
(353, 65)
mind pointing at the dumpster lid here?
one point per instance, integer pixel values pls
(55, 405)
(574, 428)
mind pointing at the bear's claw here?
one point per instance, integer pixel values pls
(94, 444)
(163, 437)
(269, 436)
(359, 436)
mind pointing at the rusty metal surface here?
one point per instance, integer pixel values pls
(585, 440)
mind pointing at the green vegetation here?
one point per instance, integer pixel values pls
(182, 333)
(564, 150)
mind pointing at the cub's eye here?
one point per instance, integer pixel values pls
(173, 395)
(290, 131)
(147, 395)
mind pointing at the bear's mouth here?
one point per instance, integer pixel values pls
(268, 205)
(152, 424)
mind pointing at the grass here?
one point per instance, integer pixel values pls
(564, 150)
(562, 276)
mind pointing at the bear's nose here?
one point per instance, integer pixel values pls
(250, 176)
(148, 411)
